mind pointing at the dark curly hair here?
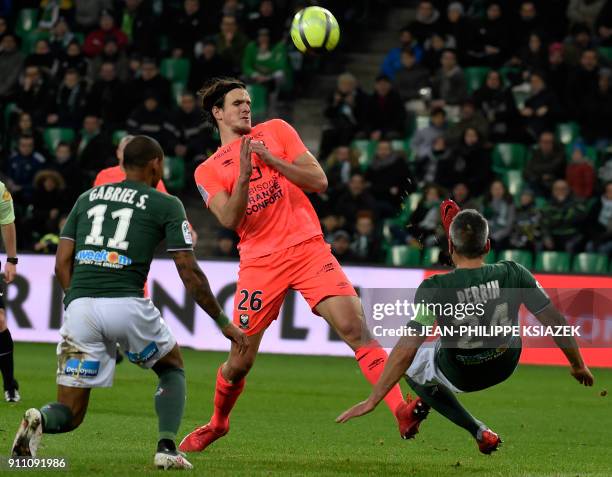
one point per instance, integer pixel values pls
(213, 94)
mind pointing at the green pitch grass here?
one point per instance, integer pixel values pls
(284, 423)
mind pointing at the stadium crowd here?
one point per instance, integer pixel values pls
(503, 105)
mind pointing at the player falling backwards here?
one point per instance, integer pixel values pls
(255, 184)
(437, 372)
(102, 262)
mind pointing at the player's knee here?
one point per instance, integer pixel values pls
(351, 332)
(238, 368)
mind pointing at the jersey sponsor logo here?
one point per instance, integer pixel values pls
(82, 368)
(203, 193)
(263, 195)
(186, 233)
(145, 355)
(102, 258)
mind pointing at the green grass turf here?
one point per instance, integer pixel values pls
(284, 423)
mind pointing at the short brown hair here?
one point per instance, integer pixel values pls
(213, 94)
(469, 233)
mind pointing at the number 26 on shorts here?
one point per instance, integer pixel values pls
(252, 304)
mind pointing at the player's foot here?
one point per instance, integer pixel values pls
(201, 438)
(409, 416)
(167, 457)
(28, 435)
(12, 394)
(488, 442)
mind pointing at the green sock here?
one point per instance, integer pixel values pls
(170, 402)
(57, 418)
(443, 400)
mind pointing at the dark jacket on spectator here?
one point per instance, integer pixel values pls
(188, 129)
(152, 123)
(10, 65)
(158, 85)
(184, 30)
(386, 113)
(390, 179)
(78, 62)
(537, 124)
(563, 219)
(581, 85)
(451, 87)
(69, 105)
(494, 33)
(348, 205)
(409, 81)
(498, 107)
(37, 101)
(22, 169)
(203, 69)
(542, 170)
(596, 117)
(98, 154)
(107, 99)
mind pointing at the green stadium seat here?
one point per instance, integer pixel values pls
(509, 156)
(9, 109)
(523, 257)
(53, 136)
(520, 96)
(590, 263)
(431, 256)
(174, 173)
(475, 77)
(178, 89)
(410, 204)
(259, 100)
(606, 52)
(508, 72)
(175, 69)
(403, 255)
(552, 262)
(567, 133)
(80, 37)
(366, 149)
(118, 135)
(513, 180)
(29, 39)
(421, 122)
(26, 21)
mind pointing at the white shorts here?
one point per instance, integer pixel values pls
(91, 331)
(425, 371)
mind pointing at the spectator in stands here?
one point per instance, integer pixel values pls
(526, 231)
(427, 21)
(207, 64)
(152, 82)
(346, 114)
(87, 13)
(491, 45)
(21, 169)
(43, 58)
(107, 97)
(603, 25)
(69, 105)
(94, 42)
(48, 243)
(151, 119)
(110, 54)
(600, 221)
(583, 81)
(542, 108)
(434, 48)
(95, 150)
(226, 244)
(330, 224)
(393, 61)
(580, 174)
(498, 107)
(341, 247)
(579, 41)
(49, 201)
(449, 86)
(25, 127)
(266, 18)
(458, 29)
(546, 164)
(532, 56)
(355, 198)
(425, 228)
(469, 117)
(584, 11)
(563, 220)
(11, 62)
(72, 58)
(60, 37)
(67, 166)
(190, 137)
(411, 77)
(34, 94)
(386, 116)
(471, 163)
(231, 42)
(557, 72)
(340, 166)
(141, 26)
(500, 213)
(366, 243)
(428, 168)
(186, 28)
(597, 113)
(423, 139)
(389, 178)
(463, 196)
(4, 29)
(528, 22)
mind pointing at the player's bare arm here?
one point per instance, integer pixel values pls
(64, 261)
(9, 237)
(550, 316)
(305, 172)
(229, 209)
(399, 361)
(197, 285)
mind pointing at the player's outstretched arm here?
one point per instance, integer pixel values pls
(64, 262)
(230, 209)
(197, 285)
(305, 171)
(550, 316)
(399, 361)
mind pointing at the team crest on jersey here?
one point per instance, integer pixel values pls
(244, 321)
(187, 233)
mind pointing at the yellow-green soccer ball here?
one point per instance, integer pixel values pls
(315, 29)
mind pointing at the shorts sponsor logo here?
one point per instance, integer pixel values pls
(244, 321)
(82, 368)
(102, 258)
(187, 233)
(145, 355)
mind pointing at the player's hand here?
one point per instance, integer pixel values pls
(10, 270)
(364, 407)
(582, 374)
(246, 168)
(235, 335)
(262, 151)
